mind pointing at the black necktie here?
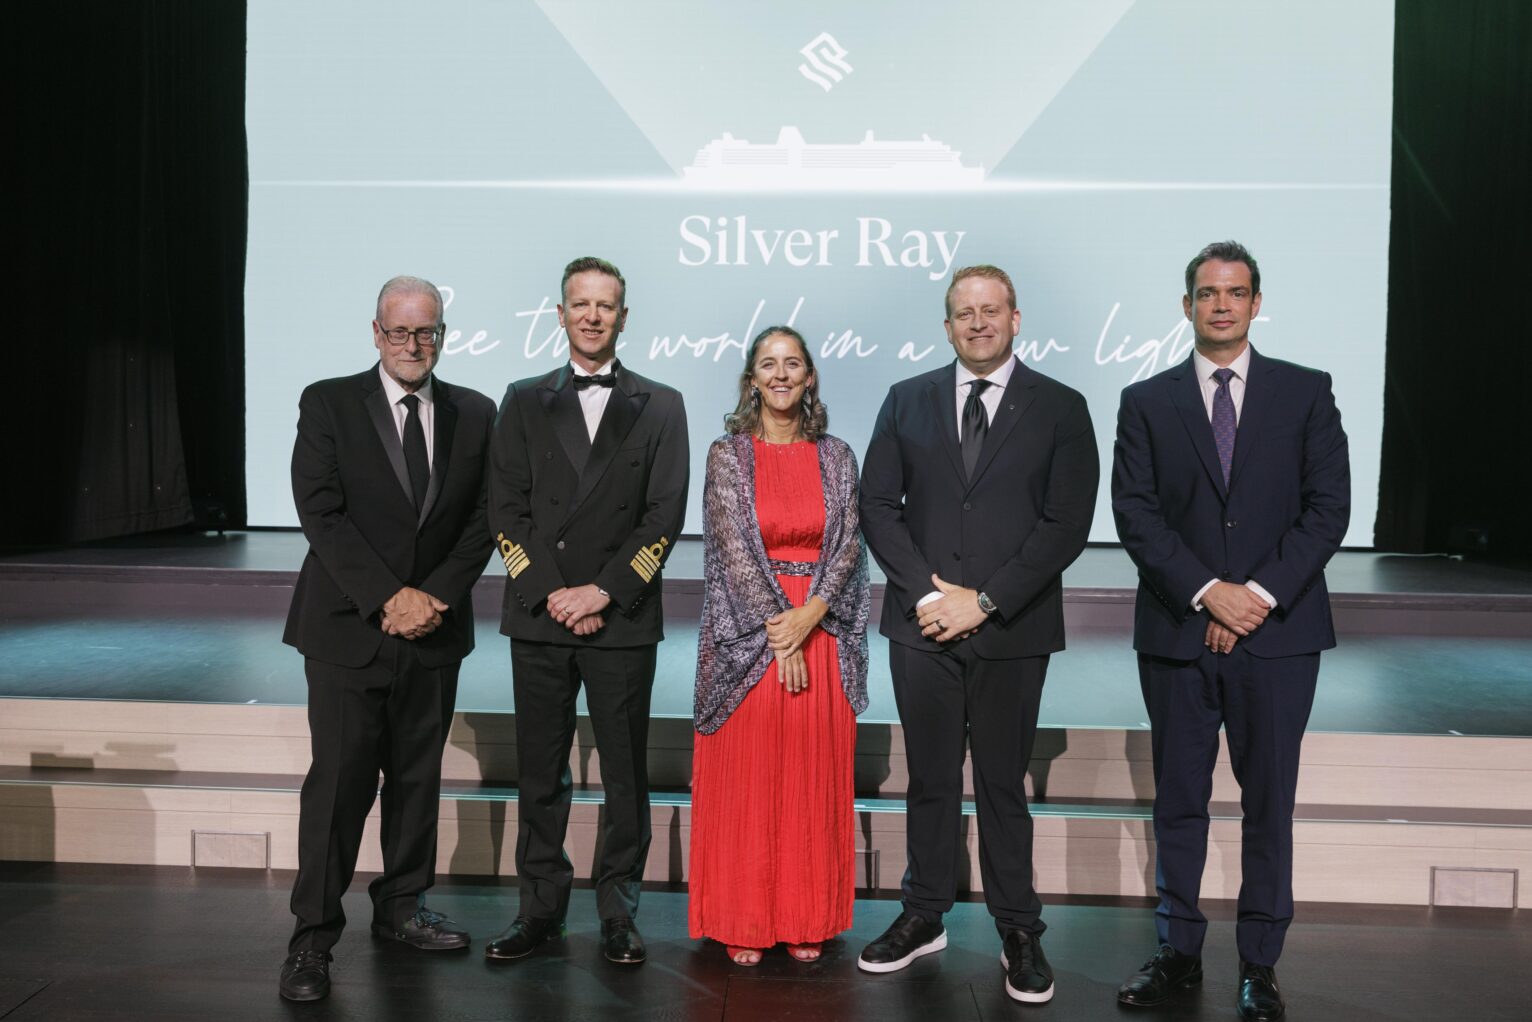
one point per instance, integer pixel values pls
(975, 425)
(603, 380)
(415, 449)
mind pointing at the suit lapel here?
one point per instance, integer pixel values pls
(942, 393)
(562, 405)
(376, 402)
(1018, 395)
(444, 427)
(1186, 393)
(622, 410)
(1253, 412)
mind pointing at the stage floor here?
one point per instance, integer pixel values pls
(206, 627)
(162, 944)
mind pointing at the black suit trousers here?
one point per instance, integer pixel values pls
(1263, 704)
(391, 716)
(946, 698)
(618, 683)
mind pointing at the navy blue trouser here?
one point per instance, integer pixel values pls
(1263, 706)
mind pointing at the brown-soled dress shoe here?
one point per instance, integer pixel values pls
(306, 976)
(621, 942)
(1158, 979)
(523, 936)
(1259, 999)
(427, 930)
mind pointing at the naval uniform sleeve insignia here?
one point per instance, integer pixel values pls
(515, 558)
(647, 561)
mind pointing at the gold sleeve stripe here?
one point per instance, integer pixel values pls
(647, 561)
(515, 558)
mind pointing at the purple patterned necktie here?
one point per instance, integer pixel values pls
(1223, 421)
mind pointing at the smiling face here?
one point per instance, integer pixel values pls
(592, 314)
(981, 323)
(781, 375)
(1221, 307)
(410, 363)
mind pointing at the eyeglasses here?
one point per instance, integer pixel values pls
(425, 337)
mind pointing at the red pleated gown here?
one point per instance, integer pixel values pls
(773, 825)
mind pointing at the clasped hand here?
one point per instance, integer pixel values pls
(411, 613)
(788, 631)
(1236, 607)
(956, 615)
(579, 608)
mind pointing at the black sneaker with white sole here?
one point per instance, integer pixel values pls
(906, 940)
(1028, 976)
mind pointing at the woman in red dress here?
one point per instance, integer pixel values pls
(781, 668)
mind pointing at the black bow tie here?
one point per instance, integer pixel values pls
(602, 380)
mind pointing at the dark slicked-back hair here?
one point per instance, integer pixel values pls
(1224, 252)
(584, 263)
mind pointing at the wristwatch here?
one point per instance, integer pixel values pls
(986, 604)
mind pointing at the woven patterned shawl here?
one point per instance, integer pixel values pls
(741, 591)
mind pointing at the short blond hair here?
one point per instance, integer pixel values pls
(986, 271)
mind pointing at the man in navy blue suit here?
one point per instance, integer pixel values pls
(1231, 487)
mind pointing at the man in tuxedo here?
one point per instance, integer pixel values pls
(1231, 488)
(977, 492)
(388, 478)
(588, 476)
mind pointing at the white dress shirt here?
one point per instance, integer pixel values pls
(1205, 368)
(1000, 378)
(593, 399)
(426, 410)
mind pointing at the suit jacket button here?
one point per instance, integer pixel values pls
(549, 456)
(1230, 524)
(622, 507)
(1224, 576)
(560, 544)
(634, 463)
(956, 556)
(553, 500)
(967, 506)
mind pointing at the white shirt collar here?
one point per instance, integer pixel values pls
(396, 393)
(1206, 366)
(581, 371)
(1000, 377)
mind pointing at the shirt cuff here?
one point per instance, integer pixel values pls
(1256, 588)
(1197, 600)
(934, 594)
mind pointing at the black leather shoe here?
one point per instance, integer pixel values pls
(306, 976)
(523, 935)
(1028, 976)
(427, 930)
(621, 942)
(1158, 979)
(906, 940)
(1259, 999)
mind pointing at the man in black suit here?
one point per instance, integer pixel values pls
(587, 487)
(977, 492)
(388, 478)
(1231, 487)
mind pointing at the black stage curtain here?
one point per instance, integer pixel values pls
(126, 174)
(1457, 445)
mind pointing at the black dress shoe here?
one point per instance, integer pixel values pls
(1157, 980)
(306, 976)
(906, 940)
(523, 935)
(1028, 976)
(427, 930)
(1259, 999)
(621, 942)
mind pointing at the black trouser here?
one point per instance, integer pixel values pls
(1263, 705)
(617, 683)
(391, 716)
(944, 698)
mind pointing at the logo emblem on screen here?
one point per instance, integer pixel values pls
(826, 61)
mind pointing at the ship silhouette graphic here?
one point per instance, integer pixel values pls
(791, 162)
